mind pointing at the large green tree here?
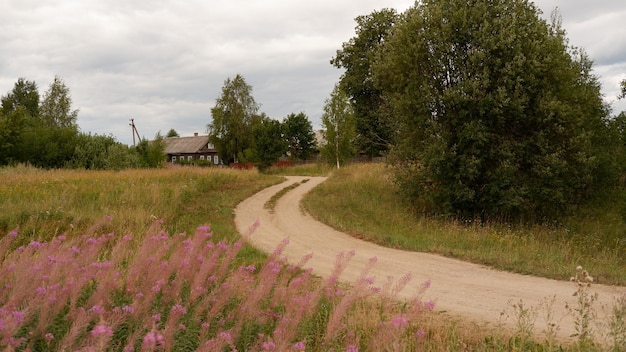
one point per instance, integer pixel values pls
(55, 110)
(234, 116)
(340, 131)
(298, 131)
(269, 141)
(497, 117)
(374, 132)
(24, 94)
(12, 126)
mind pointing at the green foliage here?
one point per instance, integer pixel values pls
(270, 143)
(11, 129)
(622, 93)
(234, 115)
(48, 148)
(339, 134)
(357, 56)
(55, 110)
(97, 152)
(24, 94)
(172, 133)
(298, 131)
(496, 116)
(152, 153)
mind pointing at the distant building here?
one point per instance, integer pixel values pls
(190, 148)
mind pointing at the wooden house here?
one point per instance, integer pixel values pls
(190, 149)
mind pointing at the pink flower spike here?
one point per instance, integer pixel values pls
(420, 333)
(299, 346)
(49, 337)
(13, 234)
(101, 330)
(269, 346)
(399, 322)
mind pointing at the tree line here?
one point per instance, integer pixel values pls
(44, 133)
(483, 109)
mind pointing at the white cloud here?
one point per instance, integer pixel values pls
(164, 62)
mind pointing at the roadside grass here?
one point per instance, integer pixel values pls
(362, 200)
(271, 203)
(310, 169)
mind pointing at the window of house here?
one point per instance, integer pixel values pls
(201, 157)
(173, 159)
(189, 157)
(215, 159)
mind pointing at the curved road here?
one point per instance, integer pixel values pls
(459, 288)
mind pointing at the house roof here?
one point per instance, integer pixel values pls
(193, 144)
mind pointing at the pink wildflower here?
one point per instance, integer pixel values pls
(399, 322)
(18, 316)
(97, 309)
(352, 348)
(49, 337)
(101, 330)
(152, 339)
(13, 234)
(299, 346)
(420, 333)
(35, 244)
(178, 309)
(430, 305)
(269, 346)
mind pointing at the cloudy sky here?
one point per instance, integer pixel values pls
(164, 62)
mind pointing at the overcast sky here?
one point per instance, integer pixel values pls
(164, 62)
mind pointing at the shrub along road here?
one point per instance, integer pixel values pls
(460, 289)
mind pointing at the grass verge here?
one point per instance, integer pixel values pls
(363, 201)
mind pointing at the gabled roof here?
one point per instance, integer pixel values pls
(176, 145)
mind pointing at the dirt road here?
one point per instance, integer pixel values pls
(461, 289)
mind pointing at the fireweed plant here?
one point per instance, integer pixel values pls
(162, 292)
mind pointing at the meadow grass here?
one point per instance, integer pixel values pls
(126, 261)
(362, 200)
(46, 203)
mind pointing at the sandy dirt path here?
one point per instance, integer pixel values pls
(459, 288)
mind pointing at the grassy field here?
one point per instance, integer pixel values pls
(101, 261)
(363, 201)
(42, 204)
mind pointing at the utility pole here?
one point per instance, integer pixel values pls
(135, 132)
